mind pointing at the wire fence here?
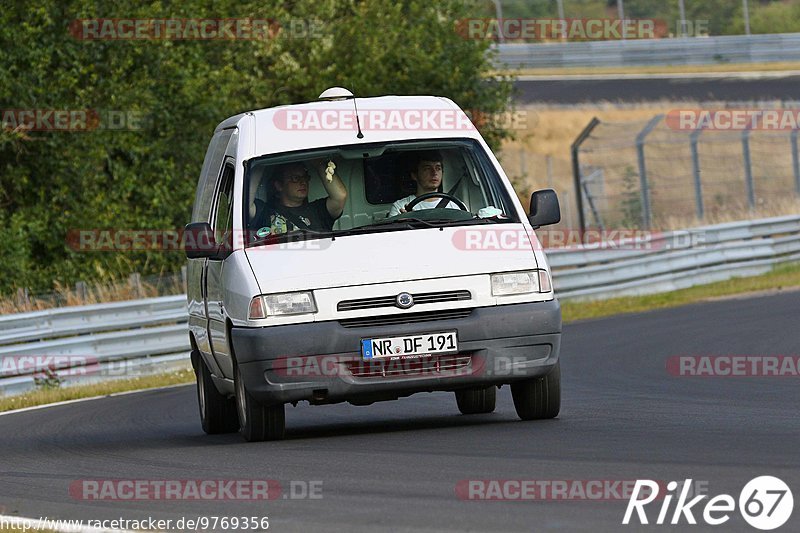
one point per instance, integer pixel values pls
(651, 175)
(134, 287)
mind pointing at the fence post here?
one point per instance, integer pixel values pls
(698, 184)
(81, 289)
(645, 190)
(795, 161)
(576, 172)
(748, 170)
(589, 200)
(135, 280)
(185, 279)
(23, 298)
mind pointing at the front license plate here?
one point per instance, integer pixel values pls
(427, 343)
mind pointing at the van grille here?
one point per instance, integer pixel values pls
(388, 301)
(405, 318)
(409, 367)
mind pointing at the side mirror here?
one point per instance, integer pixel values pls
(544, 208)
(199, 241)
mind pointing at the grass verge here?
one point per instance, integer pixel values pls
(61, 394)
(782, 277)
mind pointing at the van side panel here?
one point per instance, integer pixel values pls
(195, 281)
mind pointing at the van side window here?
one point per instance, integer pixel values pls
(208, 175)
(223, 215)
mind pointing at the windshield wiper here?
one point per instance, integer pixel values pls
(413, 222)
(488, 220)
(401, 221)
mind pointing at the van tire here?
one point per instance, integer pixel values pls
(257, 422)
(217, 412)
(476, 401)
(538, 398)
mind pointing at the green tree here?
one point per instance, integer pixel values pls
(144, 178)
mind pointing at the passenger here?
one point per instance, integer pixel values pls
(426, 171)
(288, 207)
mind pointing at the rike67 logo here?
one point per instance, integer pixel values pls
(765, 503)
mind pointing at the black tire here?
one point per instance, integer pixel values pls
(539, 398)
(217, 412)
(476, 401)
(257, 422)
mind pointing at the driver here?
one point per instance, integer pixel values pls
(426, 171)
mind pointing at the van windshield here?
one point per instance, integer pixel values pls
(371, 188)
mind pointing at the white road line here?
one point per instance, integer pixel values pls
(766, 75)
(78, 400)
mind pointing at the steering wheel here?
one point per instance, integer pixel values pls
(436, 194)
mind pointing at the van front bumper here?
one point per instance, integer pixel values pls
(321, 361)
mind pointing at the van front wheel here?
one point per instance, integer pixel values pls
(217, 412)
(538, 398)
(476, 401)
(257, 422)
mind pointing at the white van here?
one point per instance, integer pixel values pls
(363, 250)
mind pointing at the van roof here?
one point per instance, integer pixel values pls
(332, 123)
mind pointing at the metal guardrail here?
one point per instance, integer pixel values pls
(646, 52)
(675, 260)
(65, 321)
(91, 343)
(95, 342)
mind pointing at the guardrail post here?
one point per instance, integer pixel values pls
(748, 170)
(698, 184)
(795, 161)
(645, 189)
(576, 172)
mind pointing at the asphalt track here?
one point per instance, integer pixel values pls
(643, 89)
(394, 466)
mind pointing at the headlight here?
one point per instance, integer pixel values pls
(520, 283)
(287, 303)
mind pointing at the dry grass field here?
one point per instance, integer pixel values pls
(540, 157)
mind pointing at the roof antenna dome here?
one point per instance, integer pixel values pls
(335, 93)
